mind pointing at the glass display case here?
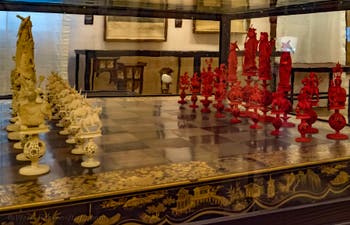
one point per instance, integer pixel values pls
(163, 163)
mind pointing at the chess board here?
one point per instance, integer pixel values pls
(150, 143)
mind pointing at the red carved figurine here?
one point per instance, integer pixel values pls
(232, 63)
(337, 99)
(235, 97)
(265, 50)
(250, 49)
(184, 84)
(220, 90)
(195, 89)
(285, 68)
(255, 102)
(278, 107)
(207, 77)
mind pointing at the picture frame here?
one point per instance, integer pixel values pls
(209, 26)
(126, 28)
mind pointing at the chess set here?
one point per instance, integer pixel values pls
(255, 100)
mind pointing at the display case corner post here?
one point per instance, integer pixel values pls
(225, 38)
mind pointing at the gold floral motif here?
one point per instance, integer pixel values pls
(113, 204)
(314, 180)
(105, 220)
(340, 179)
(82, 219)
(139, 201)
(289, 180)
(46, 219)
(253, 190)
(329, 170)
(271, 188)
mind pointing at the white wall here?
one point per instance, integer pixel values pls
(50, 44)
(321, 36)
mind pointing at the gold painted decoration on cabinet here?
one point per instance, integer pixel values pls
(186, 203)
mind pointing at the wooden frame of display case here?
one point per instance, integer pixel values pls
(119, 28)
(302, 205)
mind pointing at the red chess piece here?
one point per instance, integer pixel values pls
(195, 89)
(264, 71)
(285, 69)
(232, 63)
(266, 101)
(235, 98)
(302, 108)
(184, 84)
(277, 108)
(265, 50)
(250, 50)
(207, 77)
(312, 92)
(337, 122)
(220, 91)
(249, 66)
(303, 128)
(255, 101)
(286, 109)
(337, 99)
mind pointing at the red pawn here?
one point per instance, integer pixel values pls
(278, 105)
(302, 109)
(195, 89)
(184, 84)
(235, 98)
(255, 103)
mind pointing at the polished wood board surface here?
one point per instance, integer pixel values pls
(148, 143)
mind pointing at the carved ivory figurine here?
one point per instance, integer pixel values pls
(33, 113)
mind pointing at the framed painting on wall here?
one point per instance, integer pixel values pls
(125, 28)
(209, 26)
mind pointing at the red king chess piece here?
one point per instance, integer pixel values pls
(278, 107)
(235, 98)
(249, 65)
(195, 89)
(184, 85)
(337, 99)
(232, 63)
(264, 72)
(285, 69)
(207, 77)
(250, 50)
(220, 90)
